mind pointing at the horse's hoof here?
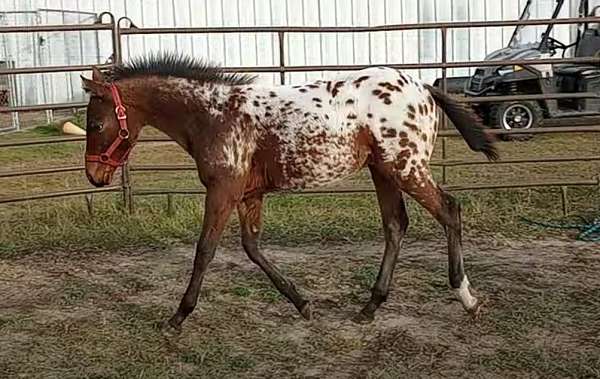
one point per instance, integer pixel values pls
(169, 330)
(363, 318)
(476, 310)
(306, 311)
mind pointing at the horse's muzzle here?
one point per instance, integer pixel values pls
(99, 175)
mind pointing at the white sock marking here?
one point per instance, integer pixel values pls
(464, 295)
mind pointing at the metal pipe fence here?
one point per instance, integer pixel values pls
(128, 191)
(34, 48)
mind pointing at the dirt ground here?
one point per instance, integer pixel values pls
(98, 315)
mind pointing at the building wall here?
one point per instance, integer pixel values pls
(262, 49)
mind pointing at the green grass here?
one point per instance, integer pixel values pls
(365, 276)
(289, 219)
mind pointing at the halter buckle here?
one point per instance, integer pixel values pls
(120, 111)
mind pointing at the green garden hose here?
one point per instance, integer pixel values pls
(588, 230)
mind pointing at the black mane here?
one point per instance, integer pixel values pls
(177, 65)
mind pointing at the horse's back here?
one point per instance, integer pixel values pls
(320, 132)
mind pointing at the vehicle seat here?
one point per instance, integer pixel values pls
(588, 46)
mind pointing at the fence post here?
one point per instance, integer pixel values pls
(565, 200)
(444, 121)
(126, 188)
(281, 38)
(170, 209)
(89, 200)
(125, 174)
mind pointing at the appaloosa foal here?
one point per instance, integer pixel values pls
(249, 139)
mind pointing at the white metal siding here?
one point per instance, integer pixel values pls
(301, 49)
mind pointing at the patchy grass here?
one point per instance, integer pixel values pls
(290, 219)
(100, 316)
(365, 276)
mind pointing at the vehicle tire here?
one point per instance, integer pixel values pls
(516, 115)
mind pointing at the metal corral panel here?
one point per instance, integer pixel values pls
(48, 49)
(262, 49)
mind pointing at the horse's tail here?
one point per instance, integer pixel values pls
(467, 122)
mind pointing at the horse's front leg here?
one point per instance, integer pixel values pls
(220, 200)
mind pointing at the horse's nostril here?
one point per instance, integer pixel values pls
(93, 181)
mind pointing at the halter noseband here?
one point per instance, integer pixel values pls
(123, 135)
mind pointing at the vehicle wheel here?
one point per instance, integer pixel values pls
(518, 115)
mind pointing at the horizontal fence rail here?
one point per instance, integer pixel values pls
(356, 29)
(192, 167)
(129, 192)
(51, 69)
(354, 190)
(56, 28)
(442, 133)
(43, 107)
(53, 195)
(555, 96)
(371, 189)
(366, 189)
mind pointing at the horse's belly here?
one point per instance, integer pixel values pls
(321, 165)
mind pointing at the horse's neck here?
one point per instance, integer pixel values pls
(172, 106)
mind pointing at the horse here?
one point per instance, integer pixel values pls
(248, 140)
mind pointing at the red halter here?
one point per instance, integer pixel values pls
(123, 135)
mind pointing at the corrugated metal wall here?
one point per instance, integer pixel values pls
(261, 49)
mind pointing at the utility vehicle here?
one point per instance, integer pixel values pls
(537, 79)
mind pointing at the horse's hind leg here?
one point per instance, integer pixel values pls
(250, 214)
(395, 223)
(446, 210)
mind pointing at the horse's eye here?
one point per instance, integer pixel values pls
(97, 126)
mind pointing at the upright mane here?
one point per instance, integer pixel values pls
(177, 65)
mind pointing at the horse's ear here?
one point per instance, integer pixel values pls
(94, 87)
(97, 75)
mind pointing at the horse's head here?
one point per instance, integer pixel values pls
(112, 129)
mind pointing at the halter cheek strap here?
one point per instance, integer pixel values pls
(107, 157)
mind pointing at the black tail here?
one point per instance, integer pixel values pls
(467, 122)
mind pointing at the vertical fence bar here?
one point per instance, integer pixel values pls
(116, 41)
(170, 208)
(444, 125)
(125, 175)
(89, 201)
(565, 200)
(281, 38)
(126, 185)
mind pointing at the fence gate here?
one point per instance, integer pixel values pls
(44, 49)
